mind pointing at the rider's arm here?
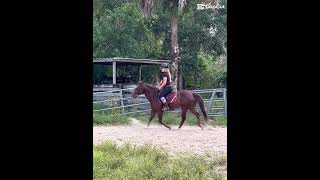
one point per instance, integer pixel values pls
(163, 83)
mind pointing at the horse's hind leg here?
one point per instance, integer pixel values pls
(197, 115)
(160, 120)
(183, 116)
(153, 113)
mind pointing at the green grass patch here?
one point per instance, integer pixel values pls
(112, 116)
(168, 118)
(106, 118)
(216, 103)
(146, 162)
(220, 121)
(175, 119)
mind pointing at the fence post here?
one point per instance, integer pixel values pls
(114, 73)
(140, 72)
(122, 104)
(225, 101)
(211, 100)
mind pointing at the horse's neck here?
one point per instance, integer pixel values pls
(151, 95)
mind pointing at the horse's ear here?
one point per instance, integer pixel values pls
(140, 82)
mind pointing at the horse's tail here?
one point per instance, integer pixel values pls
(199, 99)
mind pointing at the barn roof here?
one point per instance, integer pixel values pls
(127, 61)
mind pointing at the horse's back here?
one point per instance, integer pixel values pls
(185, 92)
(185, 96)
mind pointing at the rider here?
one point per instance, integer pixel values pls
(165, 84)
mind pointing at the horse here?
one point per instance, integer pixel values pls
(184, 99)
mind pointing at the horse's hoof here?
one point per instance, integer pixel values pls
(202, 128)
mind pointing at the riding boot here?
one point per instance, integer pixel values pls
(166, 106)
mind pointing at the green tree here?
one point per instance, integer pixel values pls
(148, 29)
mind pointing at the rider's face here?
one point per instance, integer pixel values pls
(163, 69)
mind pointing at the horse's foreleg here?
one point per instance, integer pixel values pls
(160, 120)
(183, 116)
(153, 113)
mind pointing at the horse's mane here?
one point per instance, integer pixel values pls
(153, 90)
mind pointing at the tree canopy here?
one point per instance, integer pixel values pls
(121, 29)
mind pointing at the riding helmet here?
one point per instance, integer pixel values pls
(164, 65)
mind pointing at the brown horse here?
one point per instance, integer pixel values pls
(186, 100)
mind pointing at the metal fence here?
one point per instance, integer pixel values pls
(119, 101)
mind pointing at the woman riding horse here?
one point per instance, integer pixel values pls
(165, 84)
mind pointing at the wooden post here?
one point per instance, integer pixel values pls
(140, 72)
(122, 104)
(225, 101)
(114, 72)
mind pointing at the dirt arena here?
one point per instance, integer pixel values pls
(189, 139)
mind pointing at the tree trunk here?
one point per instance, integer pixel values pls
(180, 85)
(175, 53)
(147, 6)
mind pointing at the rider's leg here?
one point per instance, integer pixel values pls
(165, 103)
(162, 95)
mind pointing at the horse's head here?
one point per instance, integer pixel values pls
(139, 90)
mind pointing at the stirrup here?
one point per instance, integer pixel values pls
(165, 108)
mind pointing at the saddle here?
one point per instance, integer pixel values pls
(171, 97)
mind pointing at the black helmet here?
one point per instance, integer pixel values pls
(164, 65)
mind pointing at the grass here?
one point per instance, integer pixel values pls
(175, 119)
(116, 118)
(146, 162)
(113, 118)
(111, 115)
